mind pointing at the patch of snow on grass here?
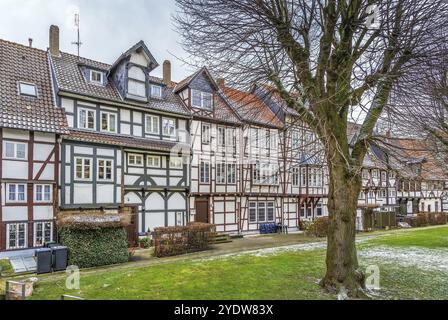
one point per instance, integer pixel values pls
(425, 259)
(273, 251)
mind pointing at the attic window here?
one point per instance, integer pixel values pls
(156, 91)
(96, 77)
(202, 99)
(27, 89)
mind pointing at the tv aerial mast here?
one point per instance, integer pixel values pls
(78, 42)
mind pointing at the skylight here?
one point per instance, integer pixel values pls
(27, 89)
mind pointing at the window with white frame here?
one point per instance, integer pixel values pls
(136, 82)
(153, 161)
(43, 233)
(375, 174)
(255, 138)
(83, 168)
(384, 176)
(365, 174)
(295, 177)
(105, 170)
(176, 163)
(16, 236)
(295, 140)
(230, 137)
(108, 122)
(169, 127)
(231, 173)
(221, 136)
(261, 212)
(86, 118)
(27, 89)
(303, 175)
(15, 192)
(201, 99)
(96, 77)
(253, 212)
(43, 193)
(319, 209)
(204, 172)
(265, 173)
(14, 150)
(156, 91)
(152, 124)
(205, 133)
(274, 143)
(135, 160)
(302, 211)
(225, 173)
(221, 173)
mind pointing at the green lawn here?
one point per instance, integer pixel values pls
(282, 275)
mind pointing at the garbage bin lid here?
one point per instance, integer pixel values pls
(42, 250)
(59, 248)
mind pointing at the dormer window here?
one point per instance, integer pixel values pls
(156, 91)
(201, 99)
(136, 82)
(96, 77)
(27, 89)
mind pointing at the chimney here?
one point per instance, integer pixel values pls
(54, 40)
(167, 72)
(221, 82)
(30, 41)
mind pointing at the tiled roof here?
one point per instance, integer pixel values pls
(123, 141)
(406, 152)
(251, 108)
(223, 112)
(22, 63)
(273, 93)
(70, 79)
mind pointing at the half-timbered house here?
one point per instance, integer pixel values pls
(128, 141)
(216, 142)
(30, 129)
(303, 168)
(261, 198)
(421, 178)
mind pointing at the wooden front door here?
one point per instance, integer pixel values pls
(202, 208)
(131, 229)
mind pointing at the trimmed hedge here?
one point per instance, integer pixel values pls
(95, 247)
(427, 219)
(174, 241)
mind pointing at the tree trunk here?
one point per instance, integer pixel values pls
(343, 274)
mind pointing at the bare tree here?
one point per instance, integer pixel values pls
(324, 58)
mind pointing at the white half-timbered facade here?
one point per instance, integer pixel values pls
(30, 129)
(128, 142)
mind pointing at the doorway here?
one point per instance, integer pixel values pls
(202, 210)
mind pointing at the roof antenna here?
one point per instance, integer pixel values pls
(77, 43)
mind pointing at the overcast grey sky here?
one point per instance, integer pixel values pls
(108, 27)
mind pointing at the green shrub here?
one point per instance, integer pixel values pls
(95, 247)
(318, 228)
(5, 268)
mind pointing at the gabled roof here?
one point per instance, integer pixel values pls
(22, 63)
(406, 153)
(187, 81)
(138, 46)
(250, 108)
(69, 78)
(270, 92)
